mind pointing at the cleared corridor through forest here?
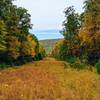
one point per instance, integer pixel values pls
(48, 79)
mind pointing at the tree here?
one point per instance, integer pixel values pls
(71, 24)
(71, 28)
(16, 42)
(2, 36)
(90, 31)
(13, 46)
(29, 47)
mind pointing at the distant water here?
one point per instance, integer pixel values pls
(48, 34)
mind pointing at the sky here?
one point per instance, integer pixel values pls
(48, 14)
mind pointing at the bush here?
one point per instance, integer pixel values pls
(42, 52)
(71, 59)
(60, 51)
(78, 65)
(98, 66)
(3, 66)
(74, 62)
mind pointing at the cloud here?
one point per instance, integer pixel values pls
(48, 14)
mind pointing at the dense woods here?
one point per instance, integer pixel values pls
(17, 44)
(80, 46)
(67, 72)
(81, 34)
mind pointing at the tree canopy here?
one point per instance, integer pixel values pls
(17, 44)
(81, 33)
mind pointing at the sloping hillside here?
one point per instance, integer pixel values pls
(48, 80)
(49, 44)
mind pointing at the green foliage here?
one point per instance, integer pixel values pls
(2, 36)
(92, 5)
(71, 43)
(98, 66)
(71, 59)
(17, 44)
(59, 50)
(63, 51)
(3, 66)
(42, 51)
(75, 63)
(90, 31)
(81, 36)
(78, 66)
(71, 24)
(13, 46)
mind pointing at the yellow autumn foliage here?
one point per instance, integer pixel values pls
(90, 30)
(29, 46)
(13, 47)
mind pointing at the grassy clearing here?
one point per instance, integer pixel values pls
(48, 80)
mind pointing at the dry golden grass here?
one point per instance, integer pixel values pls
(48, 80)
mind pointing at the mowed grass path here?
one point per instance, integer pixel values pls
(48, 80)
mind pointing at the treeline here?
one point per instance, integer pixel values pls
(17, 44)
(81, 35)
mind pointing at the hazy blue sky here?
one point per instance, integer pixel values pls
(48, 14)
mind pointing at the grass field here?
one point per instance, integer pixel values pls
(48, 80)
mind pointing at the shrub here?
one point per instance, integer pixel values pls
(3, 66)
(42, 52)
(60, 50)
(78, 65)
(98, 66)
(71, 59)
(74, 62)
